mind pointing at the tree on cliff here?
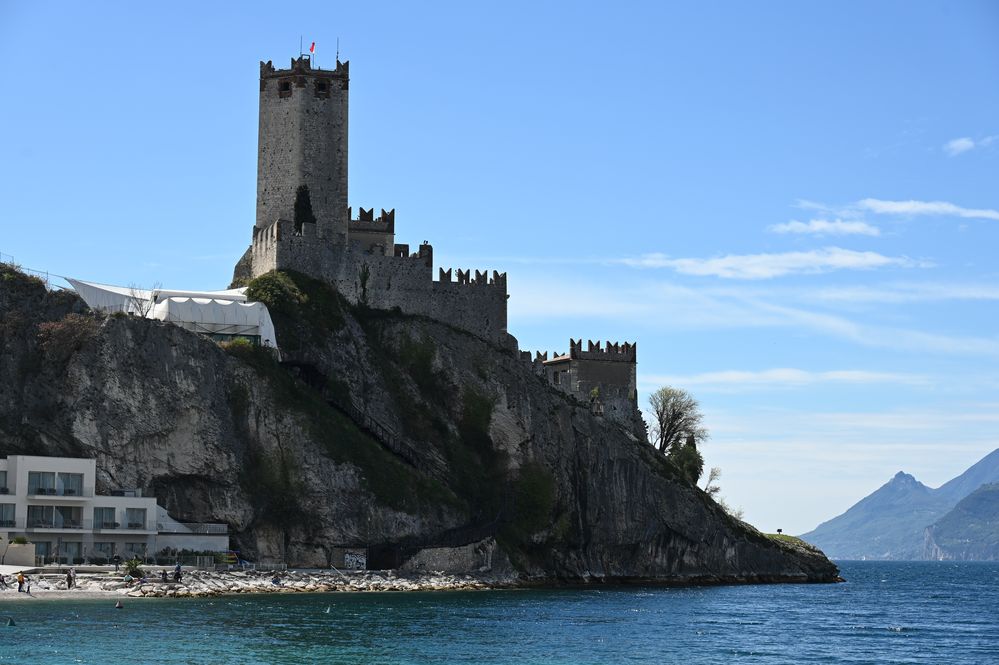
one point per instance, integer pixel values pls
(676, 429)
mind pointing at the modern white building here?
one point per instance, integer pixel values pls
(51, 501)
(221, 315)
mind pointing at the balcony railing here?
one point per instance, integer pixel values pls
(86, 492)
(58, 524)
(201, 528)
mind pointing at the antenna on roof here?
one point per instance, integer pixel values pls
(300, 51)
(338, 49)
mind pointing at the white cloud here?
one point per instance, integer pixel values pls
(898, 293)
(940, 208)
(777, 378)
(836, 227)
(957, 146)
(767, 266)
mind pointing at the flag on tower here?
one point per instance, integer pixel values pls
(312, 49)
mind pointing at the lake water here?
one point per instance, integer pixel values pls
(885, 613)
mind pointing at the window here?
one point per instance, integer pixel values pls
(71, 484)
(6, 514)
(135, 518)
(135, 550)
(284, 89)
(41, 482)
(104, 518)
(3, 482)
(71, 552)
(103, 550)
(41, 516)
(68, 517)
(43, 549)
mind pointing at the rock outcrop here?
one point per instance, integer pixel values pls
(377, 430)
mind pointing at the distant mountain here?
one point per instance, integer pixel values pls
(891, 522)
(969, 532)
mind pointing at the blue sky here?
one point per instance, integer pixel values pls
(791, 207)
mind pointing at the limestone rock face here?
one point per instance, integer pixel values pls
(397, 434)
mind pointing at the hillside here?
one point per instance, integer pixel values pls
(969, 532)
(377, 430)
(891, 522)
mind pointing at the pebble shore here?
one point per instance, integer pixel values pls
(203, 584)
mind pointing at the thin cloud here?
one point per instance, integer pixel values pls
(901, 293)
(779, 378)
(837, 227)
(955, 147)
(768, 266)
(938, 208)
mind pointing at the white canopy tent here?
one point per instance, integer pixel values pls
(218, 313)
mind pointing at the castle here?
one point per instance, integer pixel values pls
(304, 223)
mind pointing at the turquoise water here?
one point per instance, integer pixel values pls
(885, 613)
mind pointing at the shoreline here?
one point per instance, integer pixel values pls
(209, 584)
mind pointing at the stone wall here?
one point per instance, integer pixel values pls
(470, 300)
(302, 140)
(603, 376)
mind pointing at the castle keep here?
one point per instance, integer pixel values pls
(304, 224)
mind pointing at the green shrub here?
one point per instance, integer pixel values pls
(238, 346)
(61, 339)
(278, 291)
(133, 567)
(304, 310)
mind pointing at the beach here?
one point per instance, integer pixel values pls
(51, 585)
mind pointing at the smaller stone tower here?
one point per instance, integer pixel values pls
(302, 142)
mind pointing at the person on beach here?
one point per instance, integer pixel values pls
(69, 580)
(128, 579)
(163, 576)
(20, 581)
(176, 572)
(27, 584)
(117, 561)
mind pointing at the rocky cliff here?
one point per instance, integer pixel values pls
(969, 532)
(376, 430)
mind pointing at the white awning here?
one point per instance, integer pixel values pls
(226, 312)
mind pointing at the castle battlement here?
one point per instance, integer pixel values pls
(367, 222)
(465, 277)
(281, 229)
(616, 352)
(303, 65)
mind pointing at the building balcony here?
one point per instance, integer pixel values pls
(56, 525)
(199, 528)
(57, 493)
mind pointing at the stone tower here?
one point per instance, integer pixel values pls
(302, 140)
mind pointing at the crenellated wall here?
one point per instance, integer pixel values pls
(604, 376)
(474, 301)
